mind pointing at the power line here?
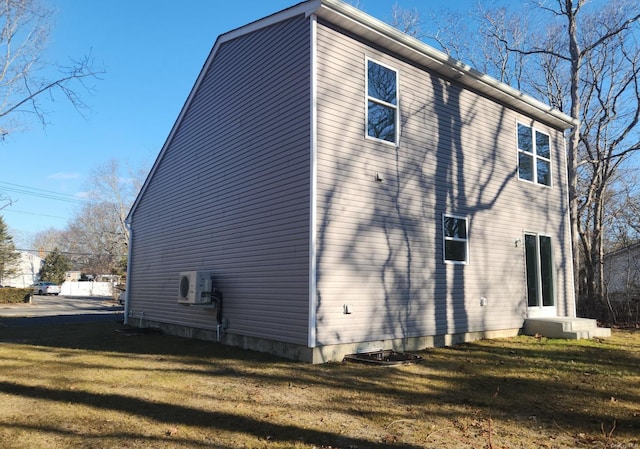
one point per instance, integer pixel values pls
(66, 252)
(34, 213)
(41, 193)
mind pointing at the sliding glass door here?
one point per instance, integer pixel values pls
(539, 265)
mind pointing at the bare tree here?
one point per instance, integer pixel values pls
(407, 20)
(5, 201)
(97, 237)
(117, 186)
(25, 75)
(610, 113)
(94, 240)
(45, 241)
(585, 63)
(26, 78)
(623, 211)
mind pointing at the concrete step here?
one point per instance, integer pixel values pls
(562, 327)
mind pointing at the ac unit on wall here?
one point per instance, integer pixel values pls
(194, 287)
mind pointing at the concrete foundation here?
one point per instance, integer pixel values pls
(323, 354)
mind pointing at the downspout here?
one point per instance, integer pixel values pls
(312, 322)
(128, 284)
(216, 296)
(570, 311)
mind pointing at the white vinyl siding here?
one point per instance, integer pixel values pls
(380, 244)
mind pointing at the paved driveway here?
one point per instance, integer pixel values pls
(60, 309)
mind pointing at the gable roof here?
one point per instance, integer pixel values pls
(371, 29)
(624, 250)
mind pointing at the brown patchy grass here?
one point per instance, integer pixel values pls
(87, 386)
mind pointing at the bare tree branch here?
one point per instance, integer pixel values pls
(24, 31)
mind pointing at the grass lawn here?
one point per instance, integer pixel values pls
(86, 386)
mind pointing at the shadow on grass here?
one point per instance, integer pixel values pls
(175, 414)
(124, 437)
(576, 387)
(102, 336)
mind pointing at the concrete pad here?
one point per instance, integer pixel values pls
(565, 327)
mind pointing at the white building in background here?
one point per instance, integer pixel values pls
(622, 271)
(86, 288)
(27, 273)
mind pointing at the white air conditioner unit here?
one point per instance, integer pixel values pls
(194, 287)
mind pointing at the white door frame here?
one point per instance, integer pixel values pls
(540, 311)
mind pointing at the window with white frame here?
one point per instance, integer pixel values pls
(382, 102)
(456, 240)
(534, 155)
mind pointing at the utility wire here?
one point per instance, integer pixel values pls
(65, 252)
(41, 193)
(34, 213)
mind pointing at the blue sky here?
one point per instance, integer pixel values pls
(152, 51)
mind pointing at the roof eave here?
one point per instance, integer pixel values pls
(374, 30)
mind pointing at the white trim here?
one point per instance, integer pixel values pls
(396, 107)
(535, 155)
(541, 310)
(313, 186)
(570, 273)
(466, 240)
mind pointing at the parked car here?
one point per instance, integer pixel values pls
(46, 288)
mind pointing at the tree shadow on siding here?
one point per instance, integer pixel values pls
(450, 200)
(420, 294)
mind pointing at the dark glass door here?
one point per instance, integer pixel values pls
(539, 265)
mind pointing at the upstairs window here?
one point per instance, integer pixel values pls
(534, 155)
(455, 239)
(382, 102)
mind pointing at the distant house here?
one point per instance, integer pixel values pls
(622, 272)
(28, 267)
(345, 187)
(72, 276)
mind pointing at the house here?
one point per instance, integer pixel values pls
(28, 267)
(333, 186)
(72, 276)
(622, 272)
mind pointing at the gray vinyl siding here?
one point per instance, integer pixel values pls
(230, 194)
(379, 245)
(622, 271)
